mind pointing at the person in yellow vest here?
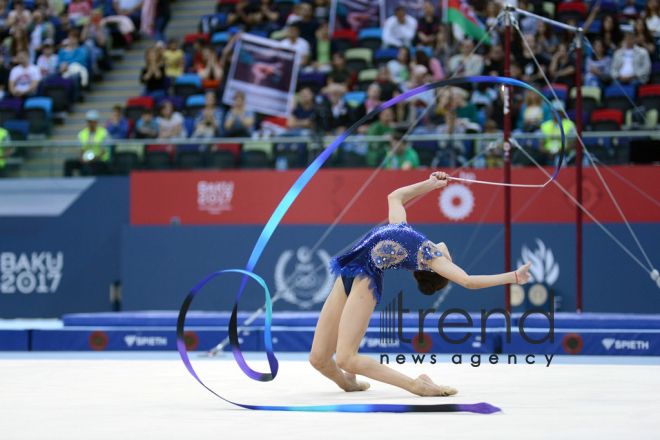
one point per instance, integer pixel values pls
(551, 146)
(93, 157)
(4, 154)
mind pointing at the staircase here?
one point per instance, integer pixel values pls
(117, 86)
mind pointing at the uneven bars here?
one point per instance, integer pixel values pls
(539, 17)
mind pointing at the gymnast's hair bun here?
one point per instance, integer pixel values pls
(429, 282)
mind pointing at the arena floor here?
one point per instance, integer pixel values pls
(151, 395)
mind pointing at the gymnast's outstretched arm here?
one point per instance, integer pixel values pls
(451, 271)
(396, 199)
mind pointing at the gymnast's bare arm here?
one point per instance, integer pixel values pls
(396, 199)
(449, 270)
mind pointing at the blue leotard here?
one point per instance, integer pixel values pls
(392, 246)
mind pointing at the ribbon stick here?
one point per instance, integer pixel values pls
(269, 229)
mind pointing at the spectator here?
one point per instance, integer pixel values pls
(62, 31)
(4, 77)
(322, 11)
(372, 102)
(528, 60)
(630, 8)
(243, 14)
(533, 113)
(494, 61)
(403, 157)
(19, 17)
(39, 30)
(170, 122)
(295, 42)
(207, 127)
(73, 60)
(400, 66)
(562, 66)
(198, 47)
(211, 108)
(95, 37)
(129, 8)
(153, 74)
(546, 38)
(494, 154)
(598, 66)
(402, 111)
(400, 29)
(610, 31)
(428, 26)
(631, 64)
(552, 132)
(266, 17)
(24, 78)
(323, 49)
(339, 73)
(419, 77)
(384, 80)
(45, 7)
(210, 67)
(303, 114)
(445, 45)
(651, 15)
(384, 125)
(492, 17)
(163, 15)
(117, 125)
(4, 14)
(452, 125)
(643, 37)
(146, 127)
(528, 24)
(466, 63)
(307, 24)
(174, 59)
(47, 61)
(78, 9)
(18, 42)
(341, 116)
(4, 137)
(92, 158)
(432, 65)
(240, 121)
(483, 98)
(295, 15)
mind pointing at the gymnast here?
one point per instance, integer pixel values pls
(359, 286)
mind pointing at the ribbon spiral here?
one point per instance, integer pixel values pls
(269, 229)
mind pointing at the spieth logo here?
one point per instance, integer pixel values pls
(40, 272)
(625, 345)
(214, 197)
(377, 342)
(457, 200)
(544, 268)
(307, 287)
(142, 341)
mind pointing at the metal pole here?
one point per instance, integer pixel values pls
(507, 157)
(578, 159)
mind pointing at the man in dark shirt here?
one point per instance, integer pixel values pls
(308, 23)
(303, 115)
(339, 74)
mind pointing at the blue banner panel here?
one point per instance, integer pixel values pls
(138, 339)
(586, 342)
(63, 259)
(14, 340)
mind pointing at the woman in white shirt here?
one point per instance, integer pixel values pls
(170, 122)
(652, 15)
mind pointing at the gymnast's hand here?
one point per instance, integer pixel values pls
(521, 274)
(439, 179)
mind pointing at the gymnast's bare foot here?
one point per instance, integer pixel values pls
(355, 385)
(424, 386)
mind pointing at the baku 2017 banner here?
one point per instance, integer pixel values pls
(265, 73)
(356, 15)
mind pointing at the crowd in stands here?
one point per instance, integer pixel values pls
(346, 75)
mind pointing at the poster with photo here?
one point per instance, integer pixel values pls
(356, 15)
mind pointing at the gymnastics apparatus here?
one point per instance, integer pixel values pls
(484, 408)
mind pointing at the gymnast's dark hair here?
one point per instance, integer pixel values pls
(429, 282)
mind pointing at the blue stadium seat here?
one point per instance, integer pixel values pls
(414, 50)
(189, 123)
(313, 80)
(187, 84)
(619, 97)
(41, 103)
(382, 56)
(18, 130)
(195, 101)
(220, 38)
(617, 91)
(560, 90)
(10, 108)
(371, 38)
(355, 98)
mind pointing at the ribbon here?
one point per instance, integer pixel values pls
(269, 229)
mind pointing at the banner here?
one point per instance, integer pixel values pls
(413, 7)
(461, 13)
(239, 197)
(356, 15)
(265, 73)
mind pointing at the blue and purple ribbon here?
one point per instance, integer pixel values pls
(269, 229)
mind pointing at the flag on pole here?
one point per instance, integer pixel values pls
(460, 13)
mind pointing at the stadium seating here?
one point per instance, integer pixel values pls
(365, 78)
(187, 84)
(59, 90)
(571, 10)
(559, 89)
(370, 38)
(194, 103)
(619, 97)
(138, 105)
(124, 162)
(189, 40)
(355, 99)
(358, 58)
(221, 159)
(10, 109)
(606, 120)
(591, 97)
(18, 129)
(315, 81)
(382, 56)
(649, 96)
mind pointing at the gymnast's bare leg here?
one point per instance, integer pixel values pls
(352, 326)
(325, 342)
